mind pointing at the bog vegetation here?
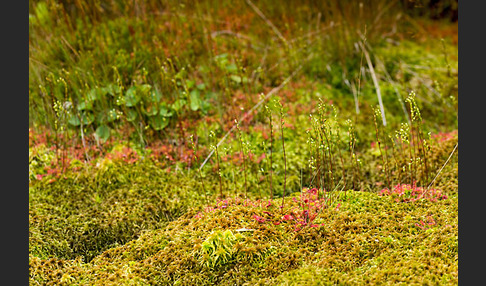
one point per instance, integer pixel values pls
(243, 142)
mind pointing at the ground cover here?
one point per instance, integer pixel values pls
(253, 143)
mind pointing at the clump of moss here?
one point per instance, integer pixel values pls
(85, 213)
(362, 242)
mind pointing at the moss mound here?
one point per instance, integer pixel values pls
(364, 239)
(85, 213)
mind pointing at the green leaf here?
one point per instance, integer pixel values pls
(231, 68)
(95, 94)
(190, 83)
(195, 100)
(131, 114)
(178, 104)
(85, 105)
(221, 60)
(100, 117)
(132, 97)
(103, 132)
(159, 122)
(112, 89)
(106, 116)
(150, 110)
(144, 91)
(181, 74)
(112, 115)
(235, 78)
(87, 118)
(74, 120)
(205, 106)
(164, 111)
(155, 95)
(201, 86)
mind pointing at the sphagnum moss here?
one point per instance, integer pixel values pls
(361, 242)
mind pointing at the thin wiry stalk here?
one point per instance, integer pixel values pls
(329, 149)
(271, 149)
(447, 161)
(199, 170)
(285, 166)
(379, 146)
(342, 161)
(396, 160)
(219, 175)
(244, 156)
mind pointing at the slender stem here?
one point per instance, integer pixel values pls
(271, 155)
(329, 148)
(324, 160)
(219, 174)
(396, 160)
(379, 147)
(342, 162)
(447, 161)
(387, 168)
(285, 163)
(244, 157)
(318, 174)
(199, 170)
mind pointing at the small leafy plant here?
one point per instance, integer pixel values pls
(218, 248)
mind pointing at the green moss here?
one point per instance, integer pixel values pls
(85, 213)
(369, 240)
(148, 80)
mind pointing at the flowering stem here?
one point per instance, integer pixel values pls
(271, 149)
(283, 147)
(244, 157)
(199, 169)
(379, 147)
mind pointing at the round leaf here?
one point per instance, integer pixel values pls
(150, 110)
(159, 122)
(132, 97)
(74, 120)
(131, 114)
(103, 132)
(195, 100)
(178, 104)
(164, 111)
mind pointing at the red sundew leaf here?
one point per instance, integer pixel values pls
(338, 206)
(287, 217)
(258, 218)
(276, 222)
